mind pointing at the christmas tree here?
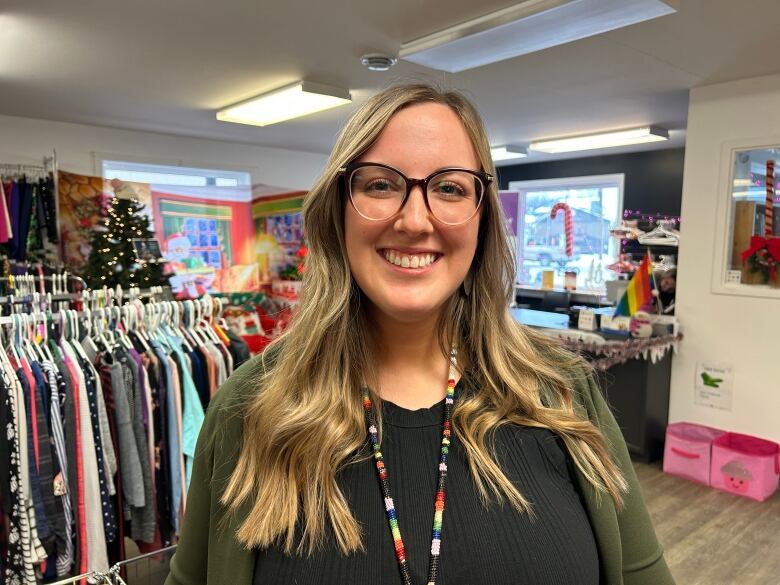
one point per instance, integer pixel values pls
(113, 259)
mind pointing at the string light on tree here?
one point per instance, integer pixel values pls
(113, 259)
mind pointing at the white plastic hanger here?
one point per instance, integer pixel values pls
(663, 234)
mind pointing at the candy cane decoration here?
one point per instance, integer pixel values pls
(770, 198)
(567, 225)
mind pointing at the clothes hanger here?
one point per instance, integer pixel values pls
(5, 329)
(119, 328)
(87, 341)
(16, 323)
(663, 234)
(139, 325)
(34, 353)
(188, 341)
(44, 345)
(195, 323)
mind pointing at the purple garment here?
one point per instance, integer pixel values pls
(5, 219)
(13, 210)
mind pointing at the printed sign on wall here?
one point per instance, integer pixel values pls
(714, 385)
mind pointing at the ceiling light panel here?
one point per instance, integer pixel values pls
(525, 28)
(602, 140)
(293, 101)
(508, 152)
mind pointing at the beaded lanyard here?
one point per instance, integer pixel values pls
(438, 516)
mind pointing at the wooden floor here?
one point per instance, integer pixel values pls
(711, 537)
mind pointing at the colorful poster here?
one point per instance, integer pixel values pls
(208, 242)
(215, 242)
(278, 224)
(82, 201)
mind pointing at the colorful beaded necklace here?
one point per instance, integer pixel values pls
(381, 469)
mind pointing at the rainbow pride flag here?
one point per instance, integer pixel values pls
(639, 291)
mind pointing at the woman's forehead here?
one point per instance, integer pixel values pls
(423, 137)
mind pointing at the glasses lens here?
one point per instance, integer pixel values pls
(454, 196)
(377, 192)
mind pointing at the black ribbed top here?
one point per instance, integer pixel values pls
(485, 546)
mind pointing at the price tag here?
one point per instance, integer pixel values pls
(587, 320)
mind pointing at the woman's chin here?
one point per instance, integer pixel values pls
(409, 311)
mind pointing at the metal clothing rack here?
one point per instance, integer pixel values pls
(49, 166)
(112, 576)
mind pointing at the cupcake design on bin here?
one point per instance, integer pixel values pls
(736, 476)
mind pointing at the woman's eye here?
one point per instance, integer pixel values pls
(379, 185)
(449, 188)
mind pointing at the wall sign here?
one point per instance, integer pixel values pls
(714, 385)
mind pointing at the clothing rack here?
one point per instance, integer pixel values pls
(112, 576)
(49, 166)
(193, 357)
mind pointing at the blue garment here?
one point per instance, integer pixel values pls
(192, 410)
(174, 447)
(200, 377)
(110, 527)
(35, 482)
(24, 202)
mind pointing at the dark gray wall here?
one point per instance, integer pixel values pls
(653, 181)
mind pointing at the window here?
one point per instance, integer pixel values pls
(748, 209)
(596, 205)
(173, 175)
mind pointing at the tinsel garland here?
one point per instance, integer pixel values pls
(603, 356)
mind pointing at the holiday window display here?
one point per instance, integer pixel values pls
(210, 243)
(278, 224)
(114, 259)
(568, 225)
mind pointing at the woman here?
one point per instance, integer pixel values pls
(499, 461)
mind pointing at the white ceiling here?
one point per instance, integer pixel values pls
(167, 66)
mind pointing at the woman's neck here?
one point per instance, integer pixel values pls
(411, 370)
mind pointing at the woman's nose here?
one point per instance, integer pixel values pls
(414, 218)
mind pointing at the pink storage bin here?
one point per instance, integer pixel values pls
(745, 465)
(688, 450)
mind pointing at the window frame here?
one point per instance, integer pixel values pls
(584, 181)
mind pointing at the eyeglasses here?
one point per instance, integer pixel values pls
(378, 192)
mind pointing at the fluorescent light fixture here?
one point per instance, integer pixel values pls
(602, 140)
(507, 152)
(293, 101)
(527, 27)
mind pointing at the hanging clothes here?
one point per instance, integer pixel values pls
(28, 215)
(98, 438)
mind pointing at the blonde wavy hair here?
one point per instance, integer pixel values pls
(306, 421)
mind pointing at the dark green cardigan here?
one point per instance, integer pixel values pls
(208, 553)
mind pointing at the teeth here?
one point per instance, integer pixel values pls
(409, 261)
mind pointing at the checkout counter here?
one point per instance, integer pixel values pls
(634, 373)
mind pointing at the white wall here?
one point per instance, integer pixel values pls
(738, 330)
(80, 148)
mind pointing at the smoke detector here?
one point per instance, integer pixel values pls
(378, 61)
